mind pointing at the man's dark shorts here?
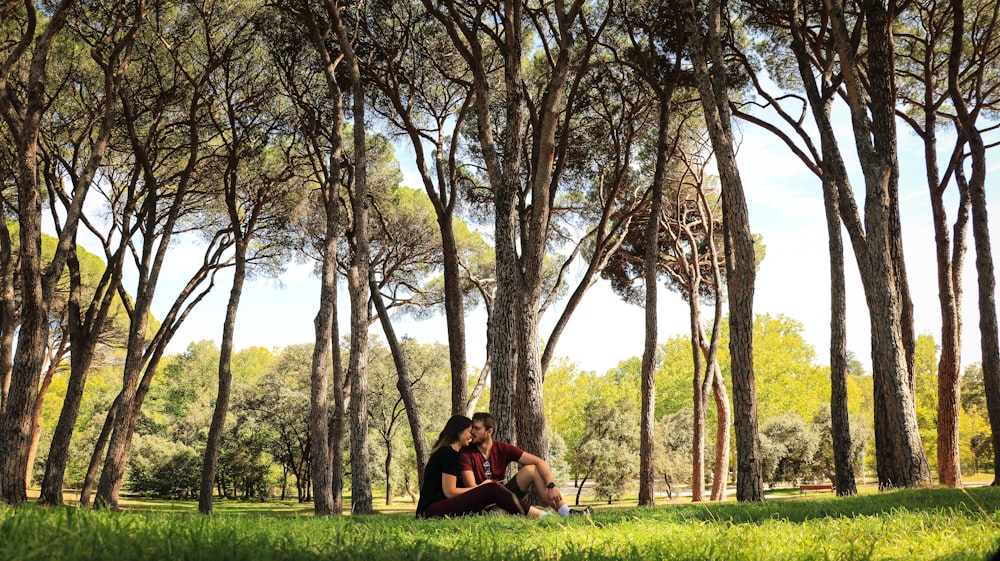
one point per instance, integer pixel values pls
(511, 485)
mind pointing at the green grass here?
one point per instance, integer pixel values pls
(941, 524)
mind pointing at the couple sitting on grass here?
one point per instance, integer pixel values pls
(462, 475)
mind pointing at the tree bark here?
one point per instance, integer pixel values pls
(357, 283)
(739, 247)
(899, 452)
(720, 477)
(647, 445)
(218, 425)
(15, 422)
(990, 345)
(8, 312)
(840, 426)
(405, 387)
(95, 458)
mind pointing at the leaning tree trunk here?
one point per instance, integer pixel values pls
(720, 477)
(95, 458)
(405, 387)
(218, 425)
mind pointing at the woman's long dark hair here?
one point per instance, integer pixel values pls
(455, 425)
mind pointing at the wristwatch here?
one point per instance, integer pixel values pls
(551, 485)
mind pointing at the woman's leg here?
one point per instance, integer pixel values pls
(475, 500)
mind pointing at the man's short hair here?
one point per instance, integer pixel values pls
(489, 423)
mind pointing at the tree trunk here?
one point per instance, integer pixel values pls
(899, 453)
(319, 422)
(218, 425)
(454, 316)
(990, 346)
(502, 332)
(84, 333)
(840, 426)
(739, 246)
(95, 457)
(36, 416)
(8, 315)
(834, 175)
(698, 432)
(720, 477)
(357, 284)
(338, 419)
(647, 444)
(15, 421)
(404, 385)
(388, 473)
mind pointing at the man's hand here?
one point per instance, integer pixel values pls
(555, 497)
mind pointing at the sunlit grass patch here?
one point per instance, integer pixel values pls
(941, 524)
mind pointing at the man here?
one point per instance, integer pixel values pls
(486, 458)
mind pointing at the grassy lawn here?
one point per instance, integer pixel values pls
(941, 524)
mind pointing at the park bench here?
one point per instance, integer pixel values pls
(822, 487)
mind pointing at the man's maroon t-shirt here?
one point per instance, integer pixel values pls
(494, 467)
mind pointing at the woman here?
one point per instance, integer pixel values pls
(440, 494)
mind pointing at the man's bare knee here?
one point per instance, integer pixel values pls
(526, 477)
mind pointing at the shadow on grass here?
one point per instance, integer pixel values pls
(977, 501)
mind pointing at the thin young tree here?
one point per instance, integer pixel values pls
(256, 168)
(967, 109)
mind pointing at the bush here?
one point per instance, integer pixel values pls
(163, 469)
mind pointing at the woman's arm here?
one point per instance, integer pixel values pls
(449, 484)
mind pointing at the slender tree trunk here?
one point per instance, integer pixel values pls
(338, 419)
(36, 416)
(698, 425)
(388, 473)
(477, 390)
(720, 476)
(319, 422)
(990, 346)
(357, 283)
(95, 458)
(83, 335)
(647, 496)
(8, 315)
(404, 385)
(218, 425)
(454, 316)
(949, 364)
(833, 176)
(840, 426)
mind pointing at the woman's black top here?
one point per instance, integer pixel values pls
(443, 460)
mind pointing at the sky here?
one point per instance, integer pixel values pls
(785, 207)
